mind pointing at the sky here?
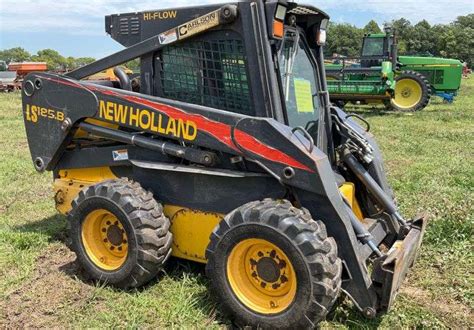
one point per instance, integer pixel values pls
(76, 28)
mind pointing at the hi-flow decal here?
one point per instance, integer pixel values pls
(35, 112)
(147, 120)
(159, 15)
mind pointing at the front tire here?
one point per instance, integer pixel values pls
(119, 233)
(412, 92)
(272, 266)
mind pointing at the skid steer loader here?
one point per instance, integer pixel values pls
(230, 154)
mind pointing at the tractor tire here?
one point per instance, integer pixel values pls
(412, 92)
(119, 233)
(273, 266)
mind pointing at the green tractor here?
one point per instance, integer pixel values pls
(416, 77)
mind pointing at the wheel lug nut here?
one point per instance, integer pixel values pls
(108, 223)
(104, 230)
(105, 240)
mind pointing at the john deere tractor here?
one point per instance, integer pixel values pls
(416, 77)
(228, 154)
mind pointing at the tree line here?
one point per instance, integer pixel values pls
(53, 58)
(453, 40)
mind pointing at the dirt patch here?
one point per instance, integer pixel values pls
(458, 314)
(49, 294)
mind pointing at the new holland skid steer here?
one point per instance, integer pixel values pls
(228, 153)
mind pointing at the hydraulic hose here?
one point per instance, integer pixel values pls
(362, 234)
(193, 155)
(372, 186)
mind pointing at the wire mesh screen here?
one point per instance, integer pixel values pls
(210, 73)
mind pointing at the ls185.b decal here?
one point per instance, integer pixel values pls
(35, 112)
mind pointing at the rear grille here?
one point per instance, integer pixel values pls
(129, 25)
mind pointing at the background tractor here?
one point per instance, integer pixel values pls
(416, 77)
(231, 155)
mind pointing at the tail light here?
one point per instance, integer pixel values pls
(278, 25)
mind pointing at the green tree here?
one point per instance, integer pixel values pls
(372, 27)
(81, 61)
(54, 60)
(133, 65)
(403, 28)
(463, 31)
(16, 54)
(423, 39)
(344, 39)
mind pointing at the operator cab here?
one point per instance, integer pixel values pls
(299, 32)
(227, 68)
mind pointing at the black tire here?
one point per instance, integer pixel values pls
(423, 84)
(312, 254)
(145, 226)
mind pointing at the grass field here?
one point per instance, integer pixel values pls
(430, 161)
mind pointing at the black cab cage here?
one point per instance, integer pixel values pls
(229, 67)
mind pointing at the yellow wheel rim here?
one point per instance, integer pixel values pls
(261, 276)
(104, 240)
(408, 93)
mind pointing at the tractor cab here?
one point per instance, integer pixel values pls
(378, 47)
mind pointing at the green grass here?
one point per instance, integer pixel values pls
(429, 159)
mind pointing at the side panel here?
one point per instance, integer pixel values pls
(191, 231)
(443, 74)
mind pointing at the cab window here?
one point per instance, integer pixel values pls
(299, 84)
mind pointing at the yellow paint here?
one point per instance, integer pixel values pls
(109, 74)
(408, 93)
(191, 231)
(105, 253)
(348, 191)
(159, 15)
(70, 182)
(434, 65)
(304, 96)
(146, 119)
(258, 293)
(34, 112)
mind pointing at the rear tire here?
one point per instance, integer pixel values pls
(119, 233)
(412, 92)
(273, 266)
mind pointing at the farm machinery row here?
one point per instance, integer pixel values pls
(12, 74)
(380, 75)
